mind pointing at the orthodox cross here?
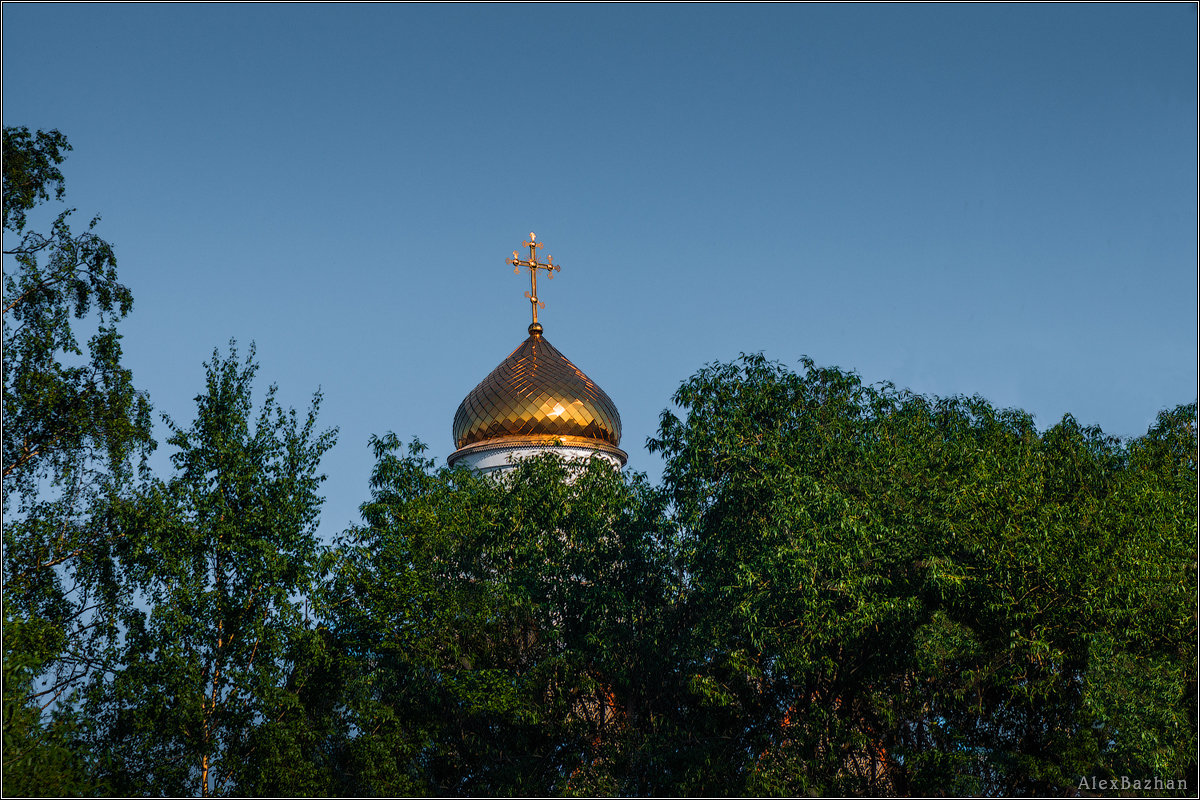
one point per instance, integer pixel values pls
(534, 265)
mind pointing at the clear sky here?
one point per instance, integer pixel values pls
(993, 199)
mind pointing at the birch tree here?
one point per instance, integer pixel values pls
(75, 430)
(223, 553)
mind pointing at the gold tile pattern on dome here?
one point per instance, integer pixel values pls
(536, 391)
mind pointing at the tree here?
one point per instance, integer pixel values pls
(74, 427)
(224, 555)
(506, 636)
(901, 594)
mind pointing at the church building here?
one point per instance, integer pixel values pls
(535, 401)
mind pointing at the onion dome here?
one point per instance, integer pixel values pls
(536, 398)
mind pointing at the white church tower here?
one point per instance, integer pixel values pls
(536, 401)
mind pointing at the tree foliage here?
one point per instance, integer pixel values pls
(910, 594)
(224, 553)
(503, 634)
(74, 429)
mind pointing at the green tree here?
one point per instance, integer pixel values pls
(74, 426)
(506, 636)
(895, 593)
(224, 554)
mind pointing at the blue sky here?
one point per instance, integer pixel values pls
(993, 199)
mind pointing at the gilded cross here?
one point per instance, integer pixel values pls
(534, 265)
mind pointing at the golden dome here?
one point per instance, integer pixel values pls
(537, 397)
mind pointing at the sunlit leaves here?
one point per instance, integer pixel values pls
(934, 572)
